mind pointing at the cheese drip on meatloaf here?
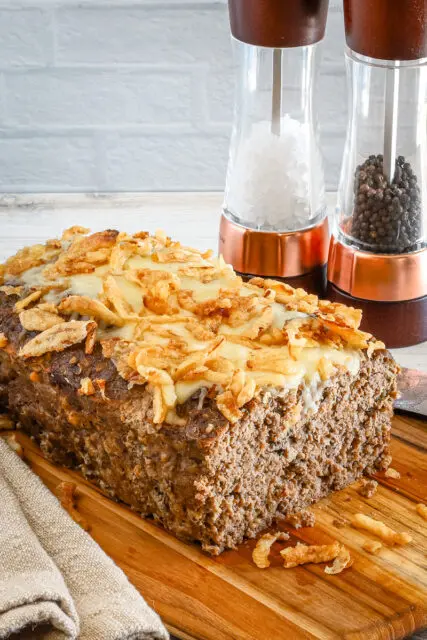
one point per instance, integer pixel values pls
(181, 320)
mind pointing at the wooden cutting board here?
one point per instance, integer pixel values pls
(228, 598)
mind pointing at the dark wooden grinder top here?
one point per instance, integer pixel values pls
(278, 23)
(387, 29)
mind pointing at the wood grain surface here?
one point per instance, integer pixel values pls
(227, 598)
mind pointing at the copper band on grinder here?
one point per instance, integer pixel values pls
(381, 277)
(278, 23)
(283, 255)
(387, 29)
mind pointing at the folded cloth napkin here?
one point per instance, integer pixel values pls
(55, 581)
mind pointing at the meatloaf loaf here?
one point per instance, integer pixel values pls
(209, 404)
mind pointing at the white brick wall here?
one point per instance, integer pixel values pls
(130, 95)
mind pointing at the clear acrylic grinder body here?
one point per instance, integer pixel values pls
(274, 216)
(378, 255)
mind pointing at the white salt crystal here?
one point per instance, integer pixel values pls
(276, 182)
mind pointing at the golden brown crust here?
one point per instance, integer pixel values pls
(189, 320)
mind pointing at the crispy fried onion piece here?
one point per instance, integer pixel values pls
(162, 385)
(57, 338)
(341, 562)
(3, 340)
(91, 338)
(372, 546)
(85, 306)
(270, 359)
(140, 244)
(15, 445)
(30, 257)
(86, 387)
(158, 286)
(114, 295)
(378, 528)
(326, 368)
(120, 352)
(193, 367)
(262, 548)
(336, 312)
(211, 273)
(293, 299)
(66, 492)
(422, 510)
(84, 254)
(392, 473)
(25, 302)
(351, 337)
(304, 554)
(176, 253)
(8, 290)
(240, 392)
(374, 345)
(38, 320)
(71, 232)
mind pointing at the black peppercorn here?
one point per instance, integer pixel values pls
(386, 216)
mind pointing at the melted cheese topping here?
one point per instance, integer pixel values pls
(308, 360)
(242, 340)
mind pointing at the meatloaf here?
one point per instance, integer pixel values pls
(209, 404)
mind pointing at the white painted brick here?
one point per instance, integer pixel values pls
(135, 66)
(220, 88)
(47, 164)
(80, 97)
(25, 38)
(142, 35)
(144, 163)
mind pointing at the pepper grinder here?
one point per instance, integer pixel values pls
(378, 252)
(274, 215)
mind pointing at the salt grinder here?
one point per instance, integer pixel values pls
(274, 217)
(378, 252)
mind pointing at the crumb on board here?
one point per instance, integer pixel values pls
(6, 423)
(66, 492)
(305, 554)
(372, 546)
(302, 519)
(14, 444)
(339, 523)
(341, 562)
(422, 510)
(378, 528)
(392, 473)
(262, 548)
(368, 488)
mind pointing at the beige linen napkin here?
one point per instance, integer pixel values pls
(51, 571)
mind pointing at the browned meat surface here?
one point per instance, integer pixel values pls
(208, 481)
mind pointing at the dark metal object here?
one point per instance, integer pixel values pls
(278, 23)
(412, 386)
(387, 29)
